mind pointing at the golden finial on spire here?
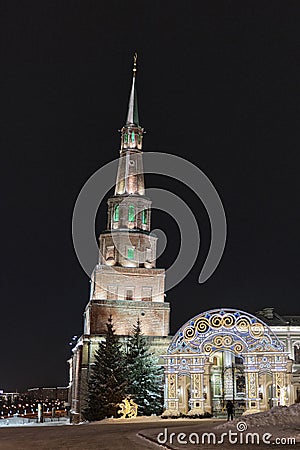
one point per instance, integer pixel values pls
(134, 64)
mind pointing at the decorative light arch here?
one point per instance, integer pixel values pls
(225, 328)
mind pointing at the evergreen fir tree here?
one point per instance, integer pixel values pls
(145, 383)
(107, 382)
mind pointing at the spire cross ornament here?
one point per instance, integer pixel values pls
(132, 116)
(134, 63)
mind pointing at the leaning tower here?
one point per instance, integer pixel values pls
(125, 283)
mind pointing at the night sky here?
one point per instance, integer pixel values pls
(218, 83)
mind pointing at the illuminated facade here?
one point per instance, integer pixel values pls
(223, 355)
(218, 355)
(125, 283)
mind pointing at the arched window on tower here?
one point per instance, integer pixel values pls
(144, 217)
(116, 213)
(130, 252)
(110, 255)
(131, 213)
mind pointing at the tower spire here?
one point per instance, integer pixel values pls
(130, 177)
(132, 132)
(133, 114)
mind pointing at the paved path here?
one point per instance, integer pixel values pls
(169, 436)
(109, 436)
(95, 436)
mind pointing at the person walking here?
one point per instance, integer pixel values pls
(230, 410)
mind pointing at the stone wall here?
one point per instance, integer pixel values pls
(104, 278)
(154, 316)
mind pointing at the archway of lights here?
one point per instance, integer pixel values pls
(225, 354)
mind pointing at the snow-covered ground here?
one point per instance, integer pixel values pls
(279, 421)
(277, 416)
(148, 419)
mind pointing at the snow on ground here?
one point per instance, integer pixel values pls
(146, 419)
(279, 421)
(137, 419)
(278, 415)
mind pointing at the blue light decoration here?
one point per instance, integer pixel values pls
(221, 329)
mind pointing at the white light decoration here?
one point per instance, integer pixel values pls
(228, 332)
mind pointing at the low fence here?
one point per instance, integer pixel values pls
(25, 420)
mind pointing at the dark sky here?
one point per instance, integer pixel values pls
(218, 84)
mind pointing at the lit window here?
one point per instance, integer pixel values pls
(144, 217)
(132, 136)
(130, 253)
(126, 138)
(131, 213)
(116, 213)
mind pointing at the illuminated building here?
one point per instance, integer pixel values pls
(218, 355)
(126, 283)
(227, 354)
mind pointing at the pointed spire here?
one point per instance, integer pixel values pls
(133, 114)
(132, 132)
